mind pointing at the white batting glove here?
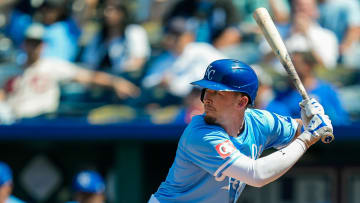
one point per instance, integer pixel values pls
(309, 108)
(320, 125)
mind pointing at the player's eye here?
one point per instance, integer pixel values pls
(221, 93)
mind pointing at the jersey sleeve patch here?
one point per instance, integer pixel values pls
(225, 149)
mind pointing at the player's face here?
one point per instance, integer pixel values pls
(218, 105)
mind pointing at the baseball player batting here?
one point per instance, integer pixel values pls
(218, 153)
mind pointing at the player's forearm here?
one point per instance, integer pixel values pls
(262, 171)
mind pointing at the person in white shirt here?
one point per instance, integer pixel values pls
(191, 58)
(37, 90)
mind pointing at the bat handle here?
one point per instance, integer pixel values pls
(305, 96)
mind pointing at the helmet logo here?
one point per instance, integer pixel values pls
(210, 73)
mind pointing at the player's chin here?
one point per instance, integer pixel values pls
(209, 119)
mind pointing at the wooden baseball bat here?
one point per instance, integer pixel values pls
(266, 24)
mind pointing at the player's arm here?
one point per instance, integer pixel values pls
(264, 170)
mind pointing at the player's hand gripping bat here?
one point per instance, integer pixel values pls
(266, 24)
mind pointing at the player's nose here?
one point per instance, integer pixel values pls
(208, 95)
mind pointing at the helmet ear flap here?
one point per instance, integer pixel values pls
(202, 95)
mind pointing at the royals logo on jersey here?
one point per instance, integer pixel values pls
(225, 149)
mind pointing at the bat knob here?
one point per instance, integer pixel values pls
(327, 138)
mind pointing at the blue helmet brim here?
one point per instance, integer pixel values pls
(216, 86)
(212, 85)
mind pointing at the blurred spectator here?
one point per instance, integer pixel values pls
(343, 18)
(279, 9)
(185, 61)
(306, 35)
(15, 19)
(84, 10)
(87, 14)
(6, 185)
(88, 187)
(287, 102)
(247, 49)
(120, 46)
(61, 33)
(213, 21)
(192, 106)
(36, 91)
(265, 90)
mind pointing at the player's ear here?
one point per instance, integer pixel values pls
(243, 101)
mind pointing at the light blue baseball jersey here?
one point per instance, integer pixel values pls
(205, 151)
(13, 199)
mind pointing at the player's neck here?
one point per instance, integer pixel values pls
(235, 126)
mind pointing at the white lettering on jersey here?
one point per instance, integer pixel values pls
(226, 187)
(254, 151)
(235, 184)
(220, 178)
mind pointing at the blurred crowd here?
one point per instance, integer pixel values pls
(87, 186)
(118, 61)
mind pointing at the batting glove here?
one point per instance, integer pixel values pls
(320, 125)
(309, 108)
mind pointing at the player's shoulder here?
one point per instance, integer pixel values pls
(263, 118)
(258, 114)
(198, 131)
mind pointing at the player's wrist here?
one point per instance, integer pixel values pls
(302, 143)
(308, 139)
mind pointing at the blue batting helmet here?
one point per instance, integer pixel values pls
(230, 75)
(89, 182)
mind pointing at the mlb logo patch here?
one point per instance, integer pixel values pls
(225, 149)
